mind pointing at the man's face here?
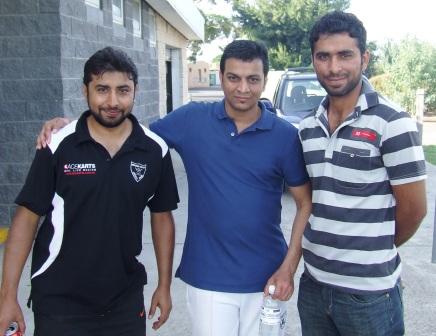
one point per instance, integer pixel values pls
(110, 97)
(339, 63)
(242, 83)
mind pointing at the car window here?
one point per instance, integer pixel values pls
(301, 96)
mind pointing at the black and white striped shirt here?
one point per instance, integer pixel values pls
(349, 240)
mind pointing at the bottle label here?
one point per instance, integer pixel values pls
(273, 316)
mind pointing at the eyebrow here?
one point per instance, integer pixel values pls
(125, 86)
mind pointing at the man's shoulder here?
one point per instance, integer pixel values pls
(151, 136)
(384, 108)
(58, 137)
(284, 126)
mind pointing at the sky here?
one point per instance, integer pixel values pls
(383, 20)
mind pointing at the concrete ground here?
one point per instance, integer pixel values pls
(419, 274)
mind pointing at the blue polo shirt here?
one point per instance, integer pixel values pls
(233, 240)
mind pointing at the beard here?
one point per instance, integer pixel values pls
(109, 122)
(340, 92)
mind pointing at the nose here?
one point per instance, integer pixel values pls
(112, 99)
(335, 65)
(243, 86)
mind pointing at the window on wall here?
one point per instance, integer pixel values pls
(118, 11)
(136, 18)
(152, 30)
(93, 3)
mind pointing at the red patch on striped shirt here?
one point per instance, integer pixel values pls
(364, 134)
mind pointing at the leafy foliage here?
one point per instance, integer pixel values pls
(407, 66)
(215, 26)
(283, 25)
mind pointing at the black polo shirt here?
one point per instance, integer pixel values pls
(84, 256)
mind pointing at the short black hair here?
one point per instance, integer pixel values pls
(339, 22)
(109, 59)
(247, 51)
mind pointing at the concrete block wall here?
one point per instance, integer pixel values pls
(43, 47)
(30, 87)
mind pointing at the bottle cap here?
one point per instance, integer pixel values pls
(271, 289)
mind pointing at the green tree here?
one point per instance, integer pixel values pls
(372, 69)
(283, 25)
(215, 26)
(407, 66)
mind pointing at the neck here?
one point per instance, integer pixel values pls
(243, 119)
(110, 138)
(340, 107)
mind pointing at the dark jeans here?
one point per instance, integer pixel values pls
(325, 311)
(126, 319)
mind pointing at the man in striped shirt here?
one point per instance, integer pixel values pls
(367, 169)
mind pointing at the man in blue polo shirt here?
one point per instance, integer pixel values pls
(91, 185)
(237, 155)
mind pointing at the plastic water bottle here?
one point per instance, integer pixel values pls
(272, 315)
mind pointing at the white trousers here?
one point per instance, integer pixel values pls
(223, 314)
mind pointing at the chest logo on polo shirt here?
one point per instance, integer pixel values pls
(80, 169)
(364, 134)
(137, 170)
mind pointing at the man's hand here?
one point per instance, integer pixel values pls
(49, 127)
(283, 280)
(162, 299)
(10, 311)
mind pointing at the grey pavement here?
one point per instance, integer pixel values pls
(419, 274)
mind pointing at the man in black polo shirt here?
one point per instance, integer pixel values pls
(92, 185)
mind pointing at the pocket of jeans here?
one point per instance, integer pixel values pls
(399, 288)
(304, 278)
(368, 299)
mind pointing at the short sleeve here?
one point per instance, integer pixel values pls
(166, 196)
(172, 127)
(401, 150)
(294, 168)
(38, 190)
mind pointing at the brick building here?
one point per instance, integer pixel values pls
(43, 47)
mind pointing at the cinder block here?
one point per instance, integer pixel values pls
(94, 15)
(22, 132)
(43, 89)
(9, 193)
(42, 67)
(73, 8)
(11, 68)
(16, 46)
(12, 111)
(43, 110)
(73, 67)
(84, 49)
(4, 214)
(65, 28)
(75, 107)
(107, 18)
(49, 6)
(72, 88)
(10, 25)
(17, 151)
(13, 173)
(83, 30)
(104, 35)
(68, 46)
(44, 46)
(42, 24)
(19, 7)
